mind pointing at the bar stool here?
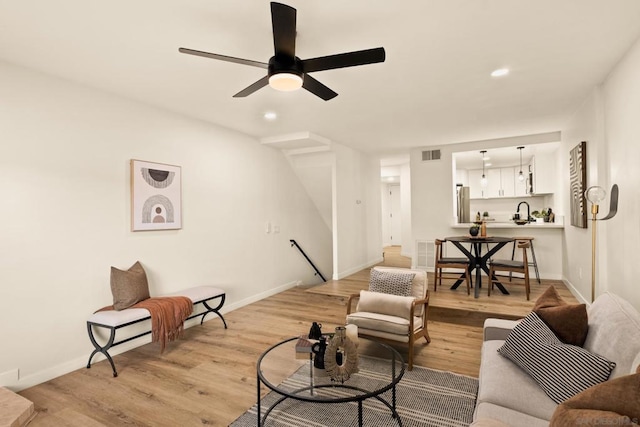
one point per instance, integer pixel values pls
(533, 261)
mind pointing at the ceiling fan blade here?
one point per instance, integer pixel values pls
(317, 88)
(341, 60)
(283, 19)
(254, 87)
(224, 58)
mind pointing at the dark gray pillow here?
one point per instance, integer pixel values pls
(391, 282)
(561, 370)
(129, 287)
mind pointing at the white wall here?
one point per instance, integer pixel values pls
(608, 121)
(405, 205)
(357, 215)
(65, 215)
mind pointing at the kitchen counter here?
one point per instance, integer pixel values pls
(505, 225)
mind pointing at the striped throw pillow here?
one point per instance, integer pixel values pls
(561, 370)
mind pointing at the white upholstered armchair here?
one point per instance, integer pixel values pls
(394, 308)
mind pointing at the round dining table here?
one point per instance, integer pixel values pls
(478, 260)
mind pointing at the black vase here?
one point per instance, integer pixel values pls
(319, 350)
(473, 231)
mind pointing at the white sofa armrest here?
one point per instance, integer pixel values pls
(498, 329)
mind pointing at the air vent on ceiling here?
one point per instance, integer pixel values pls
(431, 155)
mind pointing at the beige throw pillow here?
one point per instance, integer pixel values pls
(129, 287)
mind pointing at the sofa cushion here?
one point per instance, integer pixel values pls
(614, 332)
(615, 402)
(393, 283)
(503, 383)
(129, 287)
(568, 321)
(506, 416)
(393, 305)
(562, 370)
(382, 322)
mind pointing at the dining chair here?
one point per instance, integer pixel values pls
(511, 266)
(449, 263)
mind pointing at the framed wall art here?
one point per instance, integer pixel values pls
(156, 196)
(577, 183)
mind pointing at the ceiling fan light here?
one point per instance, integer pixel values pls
(285, 82)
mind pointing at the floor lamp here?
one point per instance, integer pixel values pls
(595, 195)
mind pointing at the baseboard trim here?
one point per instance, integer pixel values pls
(349, 272)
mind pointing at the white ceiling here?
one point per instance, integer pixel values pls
(434, 87)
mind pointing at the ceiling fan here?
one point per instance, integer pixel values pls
(285, 71)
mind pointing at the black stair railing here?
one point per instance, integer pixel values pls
(317, 272)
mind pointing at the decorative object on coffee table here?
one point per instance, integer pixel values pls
(315, 332)
(341, 356)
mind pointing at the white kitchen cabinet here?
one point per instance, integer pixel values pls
(500, 183)
(521, 187)
(507, 182)
(476, 191)
(544, 173)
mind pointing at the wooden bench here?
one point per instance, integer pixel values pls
(114, 320)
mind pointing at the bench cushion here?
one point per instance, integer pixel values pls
(114, 318)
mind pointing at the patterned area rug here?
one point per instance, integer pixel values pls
(425, 397)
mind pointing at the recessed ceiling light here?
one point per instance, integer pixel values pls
(500, 72)
(270, 115)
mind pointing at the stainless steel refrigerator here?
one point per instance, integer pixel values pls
(464, 209)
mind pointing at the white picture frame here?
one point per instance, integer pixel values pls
(156, 196)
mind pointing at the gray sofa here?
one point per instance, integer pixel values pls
(508, 395)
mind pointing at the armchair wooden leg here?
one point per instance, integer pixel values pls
(410, 361)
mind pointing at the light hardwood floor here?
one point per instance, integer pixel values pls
(209, 377)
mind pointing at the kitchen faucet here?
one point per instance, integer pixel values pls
(528, 210)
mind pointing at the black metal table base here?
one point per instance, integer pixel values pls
(391, 406)
(478, 262)
(396, 374)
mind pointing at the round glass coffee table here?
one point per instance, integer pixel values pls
(292, 376)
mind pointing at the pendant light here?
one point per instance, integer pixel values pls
(520, 175)
(483, 181)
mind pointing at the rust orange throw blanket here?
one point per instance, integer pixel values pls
(167, 317)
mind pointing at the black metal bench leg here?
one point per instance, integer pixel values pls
(102, 349)
(215, 310)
